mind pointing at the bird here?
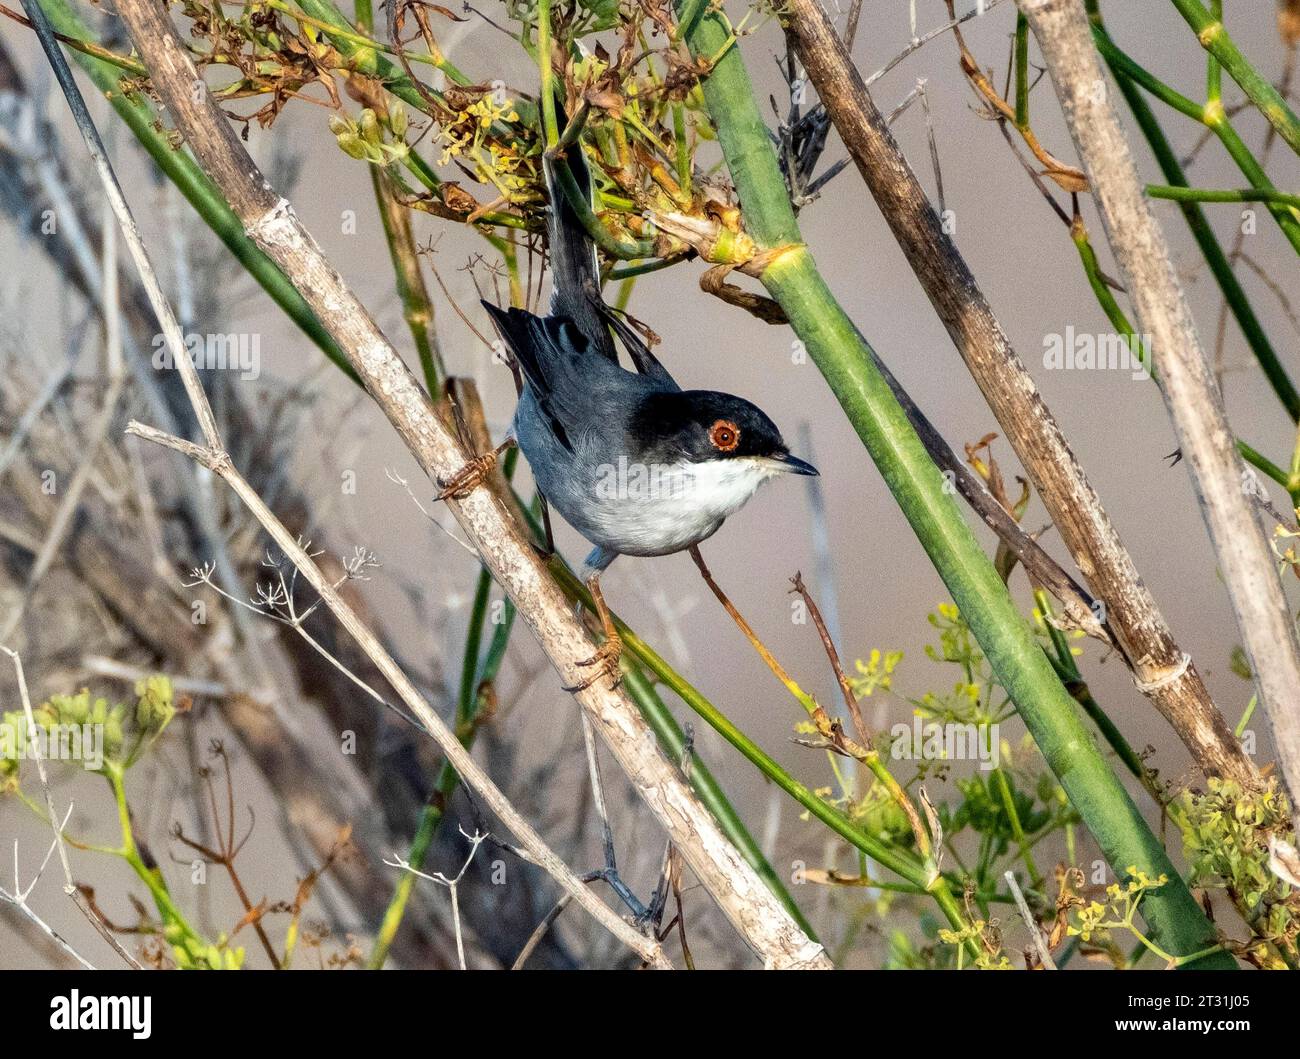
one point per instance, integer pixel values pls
(633, 462)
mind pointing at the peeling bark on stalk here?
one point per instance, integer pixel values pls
(1160, 668)
(1195, 406)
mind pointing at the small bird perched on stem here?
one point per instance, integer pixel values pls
(632, 461)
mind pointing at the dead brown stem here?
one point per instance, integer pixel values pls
(1205, 437)
(1160, 668)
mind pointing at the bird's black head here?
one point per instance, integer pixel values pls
(701, 425)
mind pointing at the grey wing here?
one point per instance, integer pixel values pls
(646, 362)
(576, 389)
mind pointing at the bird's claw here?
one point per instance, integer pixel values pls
(606, 659)
(468, 478)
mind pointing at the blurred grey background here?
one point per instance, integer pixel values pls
(883, 586)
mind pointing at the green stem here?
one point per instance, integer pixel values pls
(362, 39)
(473, 641)
(1246, 715)
(1017, 829)
(684, 160)
(706, 787)
(144, 122)
(1233, 293)
(190, 948)
(423, 172)
(550, 126)
(632, 271)
(603, 237)
(1185, 194)
(1262, 463)
(1213, 117)
(1119, 320)
(844, 359)
(366, 58)
(417, 306)
(1068, 670)
(1259, 90)
(1022, 71)
(1213, 68)
(687, 13)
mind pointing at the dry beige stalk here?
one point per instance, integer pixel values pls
(1222, 483)
(761, 920)
(1161, 670)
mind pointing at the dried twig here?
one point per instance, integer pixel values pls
(18, 898)
(452, 884)
(69, 887)
(920, 41)
(1161, 669)
(1069, 177)
(1035, 932)
(270, 221)
(1205, 437)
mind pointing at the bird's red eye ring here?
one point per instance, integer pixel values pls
(724, 435)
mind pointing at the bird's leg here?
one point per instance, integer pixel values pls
(609, 873)
(473, 474)
(607, 655)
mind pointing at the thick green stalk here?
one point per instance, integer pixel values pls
(1259, 90)
(193, 184)
(1023, 670)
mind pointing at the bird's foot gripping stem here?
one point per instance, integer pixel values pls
(472, 475)
(606, 658)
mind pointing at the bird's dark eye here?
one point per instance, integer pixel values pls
(724, 435)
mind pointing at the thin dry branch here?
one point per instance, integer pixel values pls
(470, 772)
(1195, 406)
(270, 220)
(1160, 668)
(69, 886)
(213, 456)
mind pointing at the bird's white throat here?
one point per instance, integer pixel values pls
(655, 509)
(715, 488)
(722, 487)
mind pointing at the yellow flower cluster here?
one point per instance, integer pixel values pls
(470, 133)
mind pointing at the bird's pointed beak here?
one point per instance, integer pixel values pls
(788, 464)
